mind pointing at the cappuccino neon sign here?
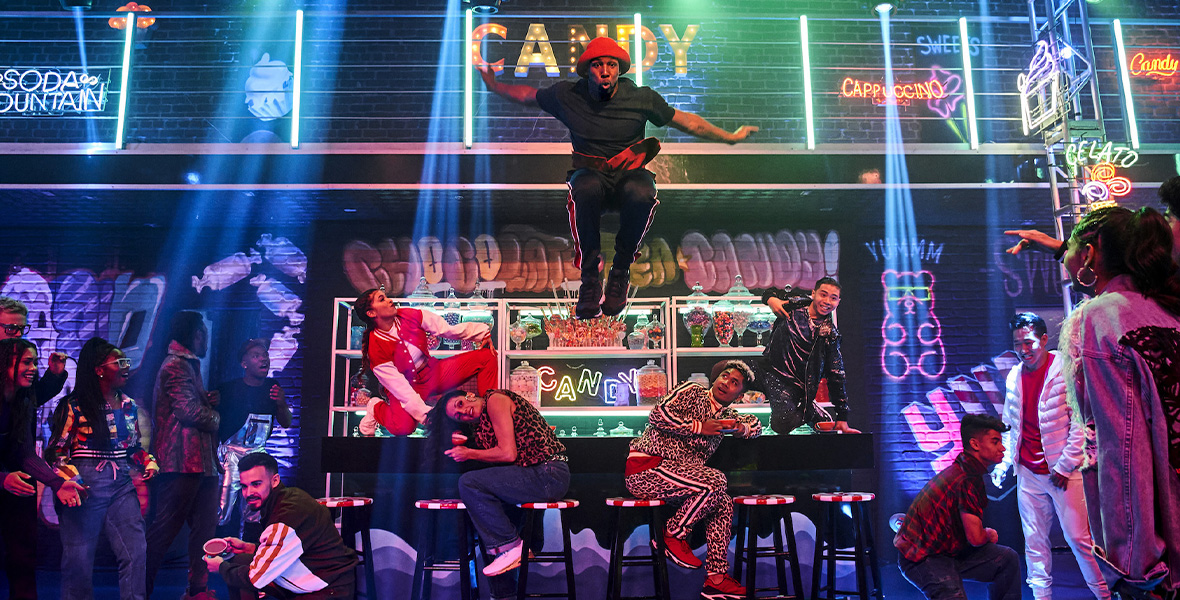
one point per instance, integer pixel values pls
(1153, 65)
(51, 92)
(904, 92)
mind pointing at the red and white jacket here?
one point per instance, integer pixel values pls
(396, 354)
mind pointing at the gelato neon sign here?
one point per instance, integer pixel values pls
(904, 92)
(1156, 67)
(1095, 152)
(50, 92)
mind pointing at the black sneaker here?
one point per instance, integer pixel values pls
(588, 297)
(618, 281)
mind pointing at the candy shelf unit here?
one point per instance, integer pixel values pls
(652, 308)
(712, 348)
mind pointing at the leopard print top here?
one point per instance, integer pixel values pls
(535, 440)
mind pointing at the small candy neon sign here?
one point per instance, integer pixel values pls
(1154, 66)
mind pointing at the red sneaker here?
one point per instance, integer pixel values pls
(679, 552)
(727, 589)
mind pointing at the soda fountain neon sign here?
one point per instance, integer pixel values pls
(51, 92)
(1153, 66)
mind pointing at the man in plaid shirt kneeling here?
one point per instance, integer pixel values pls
(942, 540)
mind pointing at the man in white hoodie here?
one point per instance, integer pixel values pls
(1045, 444)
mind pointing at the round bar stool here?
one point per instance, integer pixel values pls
(533, 518)
(657, 560)
(425, 566)
(863, 554)
(748, 551)
(356, 512)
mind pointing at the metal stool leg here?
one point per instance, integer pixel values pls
(527, 542)
(859, 556)
(614, 567)
(796, 575)
(780, 570)
(421, 581)
(464, 552)
(751, 554)
(870, 543)
(655, 529)
(568, 556)
(739, 551)
(817, 562)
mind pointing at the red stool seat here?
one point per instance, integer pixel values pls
(339, 501)
(763, 500)
(633, 502)
(844, 497)
(547, 505)
(435, 504)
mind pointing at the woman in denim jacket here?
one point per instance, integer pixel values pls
(1123, 366)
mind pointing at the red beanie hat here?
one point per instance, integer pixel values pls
(603, 46)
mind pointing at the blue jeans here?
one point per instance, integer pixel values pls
(111, 507)
(486, 493)
(940, 577)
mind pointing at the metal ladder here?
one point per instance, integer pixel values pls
(1064, 117)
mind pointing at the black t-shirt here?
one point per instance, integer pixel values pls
(605, 128)
(239, 400)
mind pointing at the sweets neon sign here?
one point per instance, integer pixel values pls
(1153, 66)
(904, 92)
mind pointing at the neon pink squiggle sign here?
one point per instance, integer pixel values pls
(909, 310)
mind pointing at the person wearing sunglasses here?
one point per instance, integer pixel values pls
(14, 323)
(97, 439)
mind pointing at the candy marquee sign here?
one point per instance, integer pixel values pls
(51, 92)
(1153, 65)
(537, 49)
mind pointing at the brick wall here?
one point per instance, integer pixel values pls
(383, 77)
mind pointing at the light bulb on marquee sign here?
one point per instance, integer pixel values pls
(537, 49)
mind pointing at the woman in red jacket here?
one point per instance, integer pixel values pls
(396, 351)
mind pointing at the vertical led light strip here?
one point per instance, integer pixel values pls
(468, 100)
(297, 86)
(638, 51)
(808, 108)
(965, 50)
(125, 79)
(1125, 79)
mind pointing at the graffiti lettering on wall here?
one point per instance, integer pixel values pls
(72, 307)
(67, 309)
(526, 260)
(272, 294)
(1028, 273)
(935, 422)
(911, 334)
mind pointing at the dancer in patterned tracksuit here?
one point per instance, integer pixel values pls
(668, 463)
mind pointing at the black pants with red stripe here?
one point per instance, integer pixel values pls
(592, 192)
